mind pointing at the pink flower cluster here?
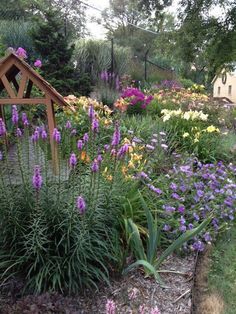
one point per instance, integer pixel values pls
(136, 96)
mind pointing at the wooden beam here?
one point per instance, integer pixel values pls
(7, 86)
(29, 89)
(22, 101)
(22, 86)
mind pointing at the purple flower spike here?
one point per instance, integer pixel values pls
(44, 135)
(91, 113)
(56, 136)
(73, 160)
(95, 166)
(95, 126)
(18, 132)
(123, 150)
(99, 159)
(116, 136)
(15, 116)
(25, 119)
(2, 128)
(80, 144)
(154, 189)
(73, 132)
(150, 147)
(86, 138)
(81, 205)
(1, 156)
(37, 179)
(68, 125)
(35, 136)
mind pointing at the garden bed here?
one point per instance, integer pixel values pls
(129, 293)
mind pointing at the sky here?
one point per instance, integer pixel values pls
(98, 32)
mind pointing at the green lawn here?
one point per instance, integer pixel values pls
(222, 276)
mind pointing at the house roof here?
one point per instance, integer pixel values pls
(11, 65)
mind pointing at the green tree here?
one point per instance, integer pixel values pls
(54, 46)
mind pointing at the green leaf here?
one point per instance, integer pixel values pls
(135, 237)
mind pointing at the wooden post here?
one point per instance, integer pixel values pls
(51, 127)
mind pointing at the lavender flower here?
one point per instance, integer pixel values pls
(198, 246)
(15, 116)
(154, 189)
(95, 125)
(143, 175)
(44, 135)
(24, 119)
(95, 166)
(91, 113)
(181, 209)
(123, 150)
(166, 228)
(86, 138)
(1, 156)
(37, 179)
(56, 136)
(207, 237)
(18, 132)
(80, 144)
(110, 307)
(2, 127)
(35, 136)
(73, 160)
(106, 147)
(81, 205)
(116, 136)
(68, 125)
(99, 159)
(73, 132)
(150, 147)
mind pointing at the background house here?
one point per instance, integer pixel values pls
(224, 85)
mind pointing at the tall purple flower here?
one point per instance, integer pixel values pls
(116, 136)
(18, 132)
(68, 125)
(95, 125)
(2, 127)
(80, 204)
(25, 119)
(91, 113)
(37, 179)
(123, 150)
(15, 116)
(35, 137)
(73, 160)
(99, 159)
(56, 136)
(80, 144)
(44, 135)
(1, 156)
(95, 166)
(86, 138)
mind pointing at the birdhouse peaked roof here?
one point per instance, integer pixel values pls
(10, 67)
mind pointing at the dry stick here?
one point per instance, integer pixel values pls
(182, 295)
(173, 272)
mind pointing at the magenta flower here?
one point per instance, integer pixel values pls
(37, 179)
(21, 53)
(56, 136)
(73, 160)
(38, 63)
(81, 205)
(116, 136)
(110, 307)
(2, 127)
(15, 116)
(95, 125)
(80, 144)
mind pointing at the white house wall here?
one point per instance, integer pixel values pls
(224, 88)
